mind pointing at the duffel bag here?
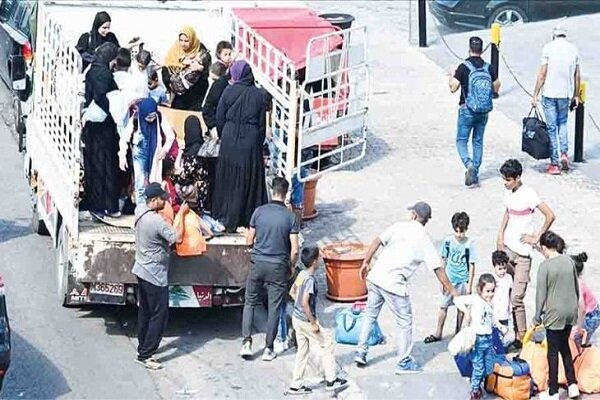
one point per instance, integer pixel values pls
(535, 352)
(535, 139)
(348, 323)
(463, 360)
(510, 380)
(586, 361)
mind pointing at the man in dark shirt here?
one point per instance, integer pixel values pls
(274, 233)
(469, 118)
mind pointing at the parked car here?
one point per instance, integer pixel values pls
(4, 335)
(483, 13)
(16, 55)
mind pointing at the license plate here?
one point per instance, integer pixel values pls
(19, 85)
(111, 289)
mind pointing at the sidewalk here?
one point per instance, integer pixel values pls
(412, 156)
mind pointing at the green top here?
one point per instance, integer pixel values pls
(557, 296)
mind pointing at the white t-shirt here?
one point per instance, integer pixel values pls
(521, 205)
(482, 313)
(501, 301)
(562, 58)
(406, 245)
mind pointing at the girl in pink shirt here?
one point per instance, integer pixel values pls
(589, 312)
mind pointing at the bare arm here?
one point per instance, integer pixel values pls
(294, 251)
(250, 236)
(443, 278)
(306, 308)
(500, 237)
(577, 83)
(453, 83)
(539, 83)
(496, 85)
(471, 278)
(548, 219)
(364, 269)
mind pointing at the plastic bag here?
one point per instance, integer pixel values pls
(463, 342)
(193, 243)
(348, 324)
(93, 113)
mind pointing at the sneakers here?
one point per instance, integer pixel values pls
(553, 169)
(545, 395)
(476, 394)
(360, 359)
(408, 366)
(337, 384)
(573, 391)
(300, 390)
(280, 346)
(470, 175)
(149, 363)
(564, 162)
(246, 351)
(268, 355)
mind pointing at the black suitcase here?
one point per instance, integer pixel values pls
(535, 139)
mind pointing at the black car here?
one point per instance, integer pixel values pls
(483, 13)
(16, 55)
(4, 336)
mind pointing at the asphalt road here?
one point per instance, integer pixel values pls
(56, 352)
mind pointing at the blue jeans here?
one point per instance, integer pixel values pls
(140, 177)
(282, 325)
(591, 323)
(469, 121)
(482, 357)
(400, 307)
(557, 114)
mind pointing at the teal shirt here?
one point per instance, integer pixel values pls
(455, 255)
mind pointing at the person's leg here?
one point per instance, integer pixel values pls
(282, 327)
(276, 281)
(462, 290)
(140, 178)
(520, 271)
(565, 352)
(478, 359)
(302, 352)
(480, 121)
(463, 131)
(158, 301)
(439, 331)
(252, 300)
(401, 308)
(554, 345)
(562, 117)
(550, 111)
(327, 348)
(370, 314)
(143, 314)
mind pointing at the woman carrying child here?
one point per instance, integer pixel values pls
(557, 304)
(589, 312)
(185, 72)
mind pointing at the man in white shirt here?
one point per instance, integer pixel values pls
(406, 245)
(558, 80)
(517, 235)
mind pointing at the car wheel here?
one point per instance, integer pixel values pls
(508, 16)
(37, 224)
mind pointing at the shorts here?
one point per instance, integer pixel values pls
(448, 299)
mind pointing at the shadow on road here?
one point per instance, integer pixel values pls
(12, 229)
(49, 382)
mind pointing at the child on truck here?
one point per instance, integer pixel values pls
(309, 333)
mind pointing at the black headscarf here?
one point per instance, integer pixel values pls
(193, 136)
(96, 40)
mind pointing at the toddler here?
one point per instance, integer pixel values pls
(502, 304)
(224, 53)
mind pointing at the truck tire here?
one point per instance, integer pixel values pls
(37, 224)
(19, 123)
(62, 266)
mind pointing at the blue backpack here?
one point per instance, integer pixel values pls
(480, 93)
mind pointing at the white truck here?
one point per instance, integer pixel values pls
(94, 260)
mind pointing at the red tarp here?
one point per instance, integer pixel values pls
(289, 30)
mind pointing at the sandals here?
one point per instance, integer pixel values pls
(432, 339)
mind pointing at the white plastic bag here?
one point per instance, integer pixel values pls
(93, 113)
(463, 342)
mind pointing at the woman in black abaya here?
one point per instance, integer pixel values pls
(101, 161)
(90, 41)
(240, 177)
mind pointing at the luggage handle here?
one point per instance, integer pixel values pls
(346, 325)
(537, 114)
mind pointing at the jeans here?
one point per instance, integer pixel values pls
(140, 177)
(591, 323)
(469, 121)
(557, 114)
(558, 342)
(482, 357)
(282, 325)
(275, 278)
(400, 307)
(153, 315)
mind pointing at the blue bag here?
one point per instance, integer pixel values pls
(463, 361)
(347, 328)
(480, 94)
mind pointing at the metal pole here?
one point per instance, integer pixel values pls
(422, 23)
(579, 119)
(495, 52)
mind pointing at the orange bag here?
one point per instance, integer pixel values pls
(193, 243)
(536, 355)
(586, 361)
(504, 384)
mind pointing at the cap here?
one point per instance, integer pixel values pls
(559, 30)
(476, 44)
(154, 190)
(422, 209)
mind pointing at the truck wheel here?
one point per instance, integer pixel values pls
(37, 224)
(62, 266)
(19, 123)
